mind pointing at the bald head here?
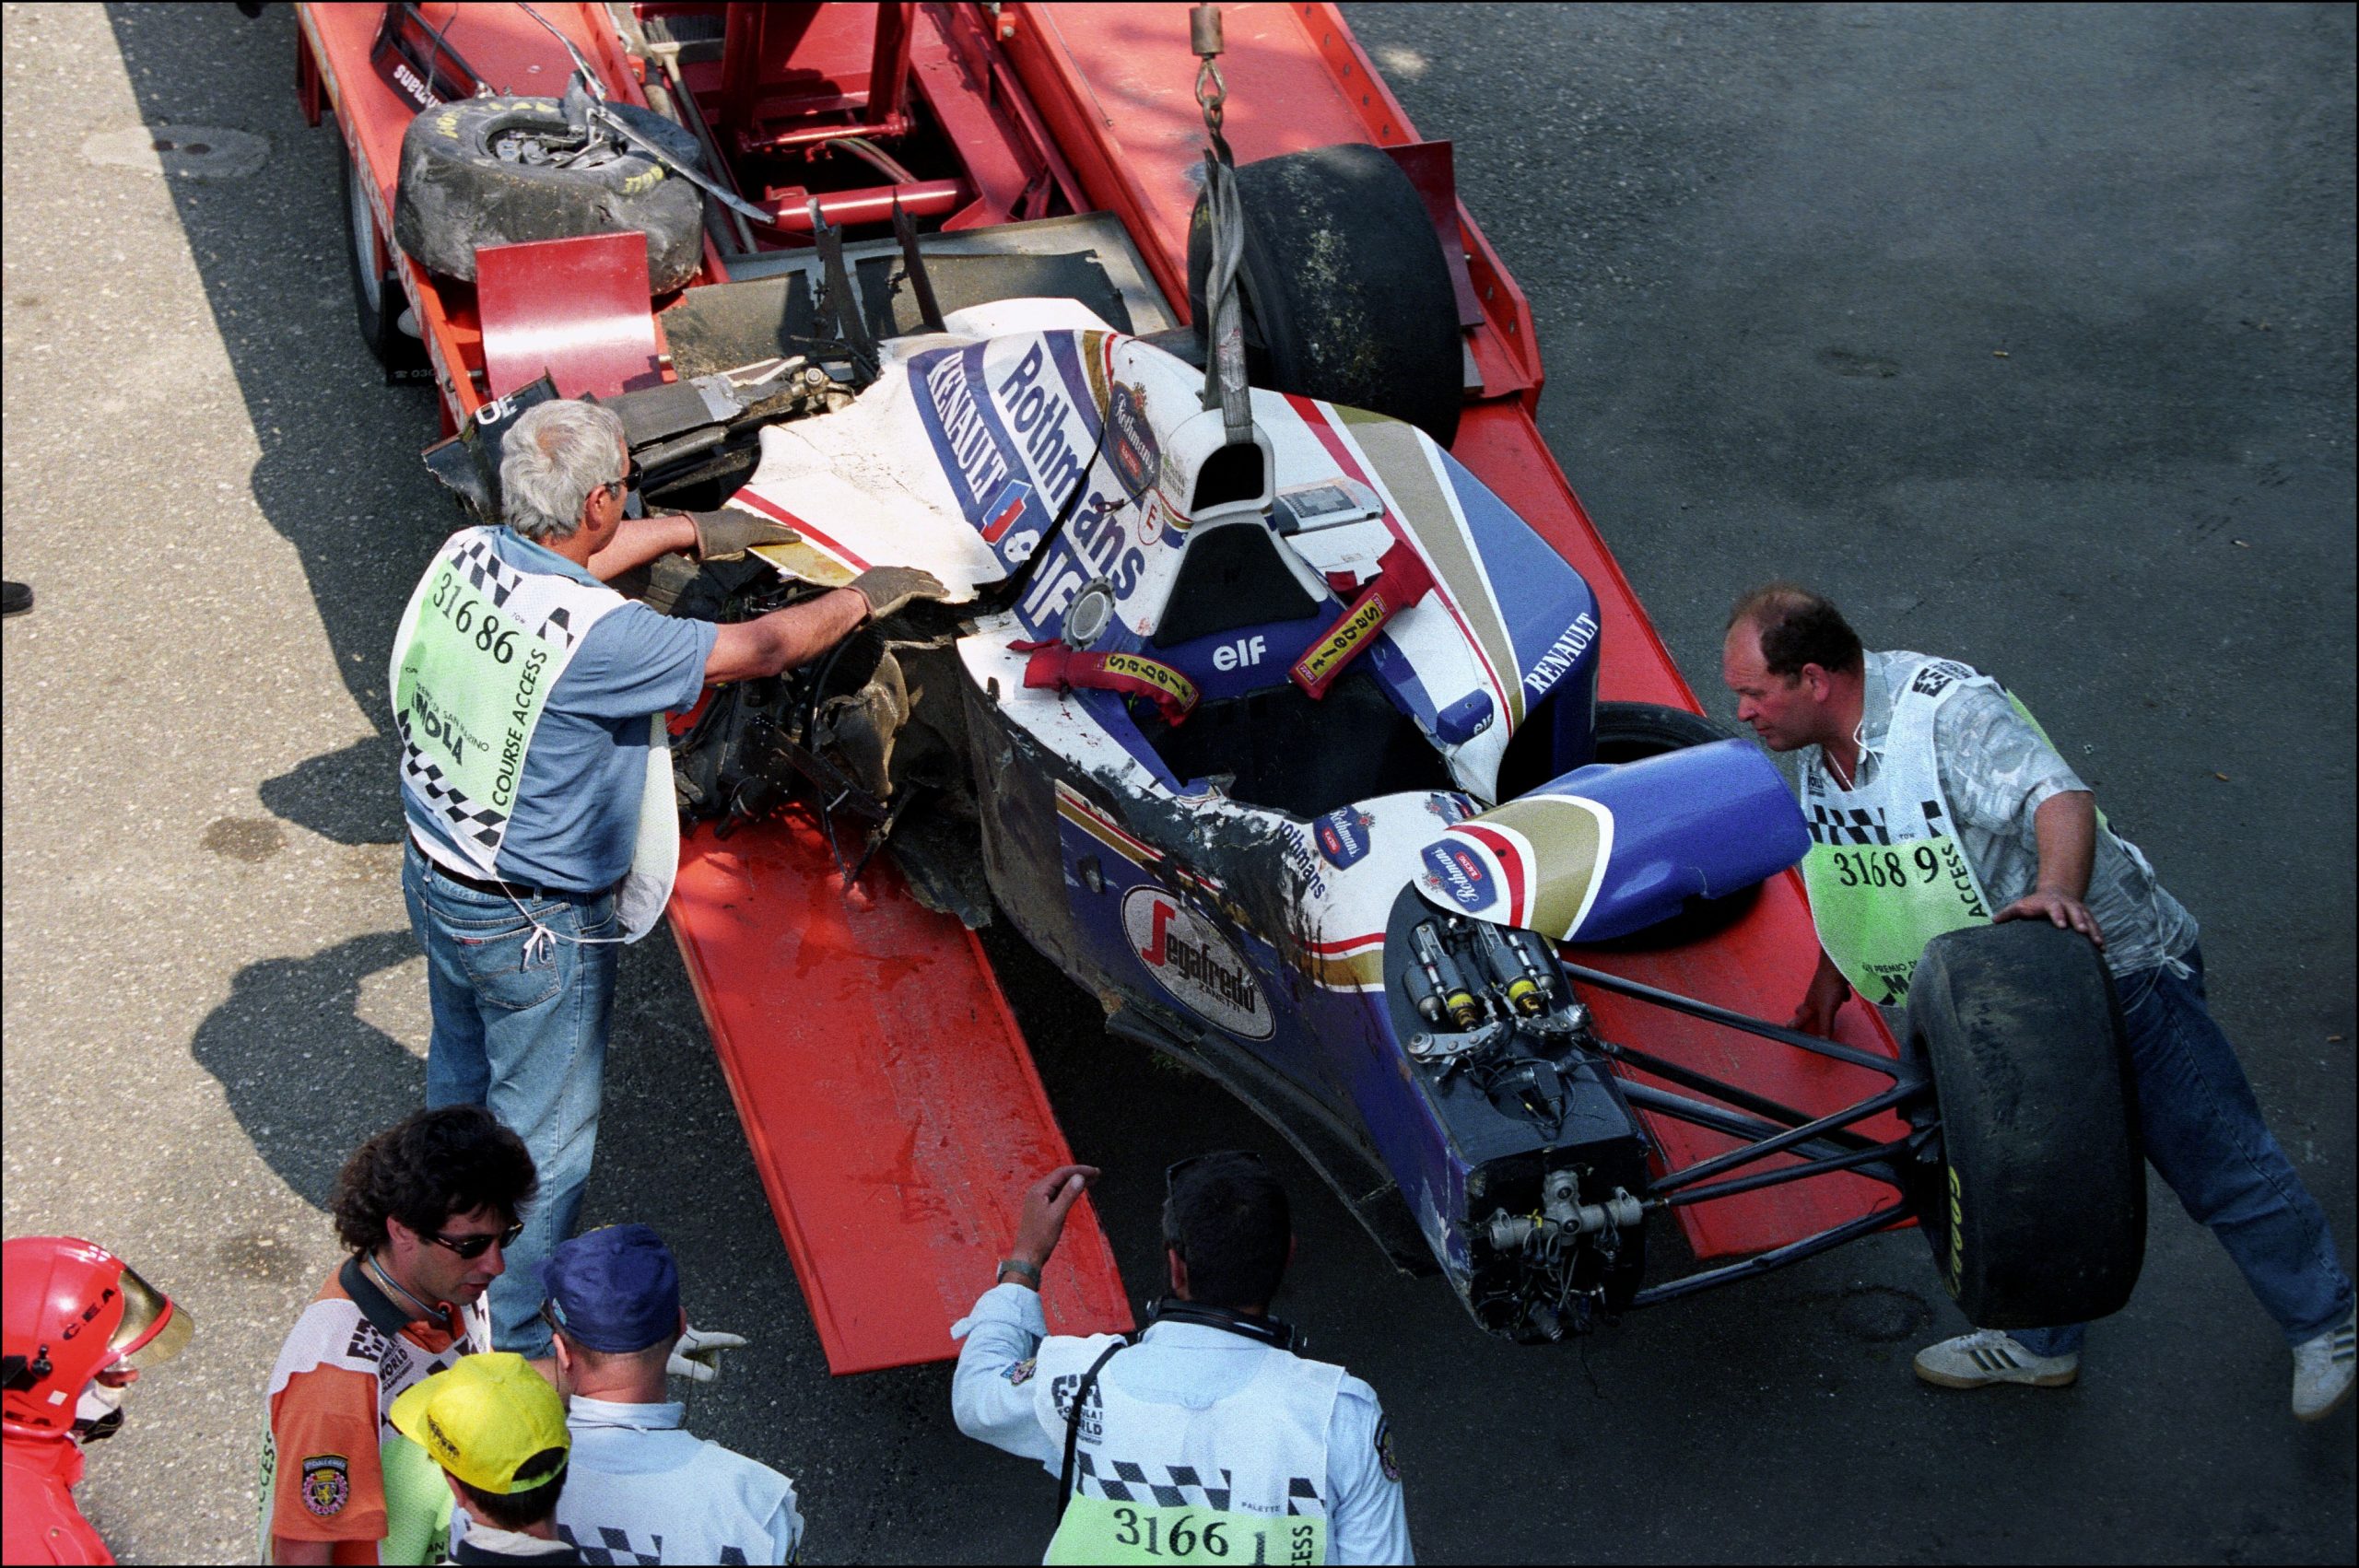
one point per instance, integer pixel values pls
(1795, 667)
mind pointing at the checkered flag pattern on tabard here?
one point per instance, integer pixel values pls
(607, 1545)
(482, 824)
(496, 579)
(1175, 1486)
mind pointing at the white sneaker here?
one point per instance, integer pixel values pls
(1987, 1356)
(2322, 1369)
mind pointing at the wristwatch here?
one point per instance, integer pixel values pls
(1025, 1273)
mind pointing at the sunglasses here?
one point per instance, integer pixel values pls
(477, 1246)
(631, 477)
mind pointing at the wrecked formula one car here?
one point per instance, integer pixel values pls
(1289, 751)
(1274, 714)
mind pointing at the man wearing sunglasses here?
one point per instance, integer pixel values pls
(530, 698)
(428, 1208)
(1206, 1437)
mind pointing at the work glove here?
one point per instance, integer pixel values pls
(696, 1356)
(725, 535)
(889, 589)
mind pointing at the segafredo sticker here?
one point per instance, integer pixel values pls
(1195, 963)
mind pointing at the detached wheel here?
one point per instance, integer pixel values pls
(1631, 731)
(2037, 1211)
(1345, 286)
(487, 171)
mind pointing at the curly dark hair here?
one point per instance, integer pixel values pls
(1228, 1219)
(1800, 628)
(429, 1167)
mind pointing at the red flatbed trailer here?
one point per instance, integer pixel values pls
(888, 1098)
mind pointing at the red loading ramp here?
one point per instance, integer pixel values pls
(892, 1106)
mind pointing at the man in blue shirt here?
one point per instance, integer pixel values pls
(1205, 1435)
(529, 697)
(644, 1489)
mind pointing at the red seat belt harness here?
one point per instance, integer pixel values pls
(1401, 578)
(1054, 664)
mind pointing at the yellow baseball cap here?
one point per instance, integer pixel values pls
(482, 1419)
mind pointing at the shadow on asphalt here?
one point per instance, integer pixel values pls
(306, 1077)
(346, 492)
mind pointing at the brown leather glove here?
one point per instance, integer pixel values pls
(725, 536)
(889, 589)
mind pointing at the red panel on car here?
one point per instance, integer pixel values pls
(892, 1106)
(575, 309)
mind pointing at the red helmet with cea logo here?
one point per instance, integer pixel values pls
(73, 1311)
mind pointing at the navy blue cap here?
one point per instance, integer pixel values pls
(615, 1290)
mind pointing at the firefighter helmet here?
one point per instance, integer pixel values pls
(74, 1310)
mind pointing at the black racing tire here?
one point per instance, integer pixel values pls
(2036, 1208)
(1345, 286)
(1631, 731)
(377, 298)
(456, 192)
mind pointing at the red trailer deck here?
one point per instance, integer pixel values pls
(889, 1100)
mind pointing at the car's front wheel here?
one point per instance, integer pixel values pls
(2037, 1207)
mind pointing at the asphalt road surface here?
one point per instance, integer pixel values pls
(2025, 331)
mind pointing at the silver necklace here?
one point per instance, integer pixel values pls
(386, 1275)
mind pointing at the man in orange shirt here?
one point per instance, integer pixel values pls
(426, 1207)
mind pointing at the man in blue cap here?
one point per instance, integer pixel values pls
(643, 1488)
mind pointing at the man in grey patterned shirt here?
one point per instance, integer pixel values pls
(1899, 745)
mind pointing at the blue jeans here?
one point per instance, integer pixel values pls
(2205, 1136)
(520, 1026)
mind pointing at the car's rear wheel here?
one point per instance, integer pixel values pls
(2036, 1208)
(1345, 288)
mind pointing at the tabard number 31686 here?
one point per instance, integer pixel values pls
(459, 609)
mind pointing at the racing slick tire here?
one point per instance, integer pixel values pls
(377, 297)
(1631, 731)
(458, 193)
(1345, 286)
(2037, 1208)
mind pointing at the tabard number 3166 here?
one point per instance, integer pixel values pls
(460, 610)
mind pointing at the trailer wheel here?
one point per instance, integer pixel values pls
(1345, 286)
(1631, 731)
(377, 297)
(2036, 1210)
(477, 172)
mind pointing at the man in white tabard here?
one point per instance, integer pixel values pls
(530, 699)
(1933, 756)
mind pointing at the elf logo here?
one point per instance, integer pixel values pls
(1190, 960)
(1007, 507)
(1242, 654)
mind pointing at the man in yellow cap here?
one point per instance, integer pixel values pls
(498, 1430)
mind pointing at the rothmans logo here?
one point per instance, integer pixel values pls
(1189, 958)
(1461, 873)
